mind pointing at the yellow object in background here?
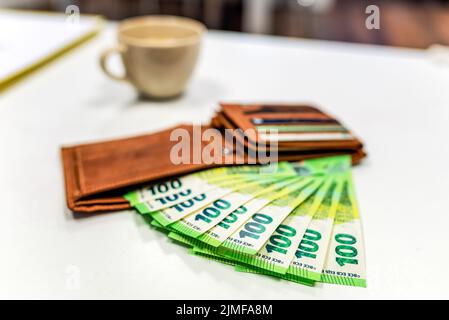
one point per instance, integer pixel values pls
(29, 40)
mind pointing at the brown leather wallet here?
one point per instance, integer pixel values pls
(98, 174)
(233, 116)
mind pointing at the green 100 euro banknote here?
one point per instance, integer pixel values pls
(345, 262)
(226, 227)
(252, 235)
(180, 210)
(300, 223)
(202, 220)
(175, 190)
(279, 250)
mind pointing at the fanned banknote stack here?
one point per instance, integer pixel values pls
(295, 221)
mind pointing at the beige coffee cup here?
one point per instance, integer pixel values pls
(159, 53)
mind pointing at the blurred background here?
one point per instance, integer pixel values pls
(405, 23)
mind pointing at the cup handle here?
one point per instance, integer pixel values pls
(103, 60)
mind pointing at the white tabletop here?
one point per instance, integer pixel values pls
(396, 100)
